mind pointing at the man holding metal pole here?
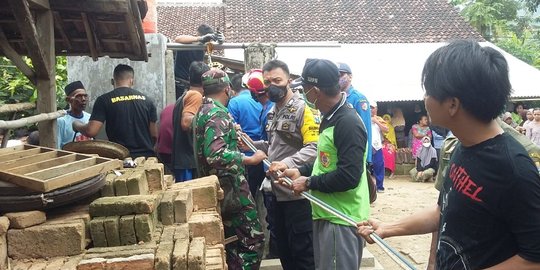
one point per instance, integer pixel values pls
(488, 212)
(336, 177)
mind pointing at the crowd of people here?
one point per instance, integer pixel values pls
(328, 138)
(526, 121)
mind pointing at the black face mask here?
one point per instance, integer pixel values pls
(276, 93)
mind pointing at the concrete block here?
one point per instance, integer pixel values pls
(69, 214)
(144, 227)
(204, 191)
(112, 232)
(165, 249)
(4, 225)
(21, 220)
(97, 231)
(155, 176)
(140, 161)
(139, 262)
(108, 189)
(168, 179)
(55, 263)
(197, 254)
(182, 232)
(166, 207)
(151, 160)
(127, 230)
(46, 240)
(180, 254)
(123, 205)
(208, 226)
(120, 184)
(3, 252)
(137, 184)
(71, 263)
(183, 206)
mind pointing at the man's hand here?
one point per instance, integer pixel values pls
(242, 138)
(291, 173)
(206, 38)
(299, 185)
(76, 126)
(366, 228)
(277, 167)
(255, 159)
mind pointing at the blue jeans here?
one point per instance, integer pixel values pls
(182, 175)
(378, 168)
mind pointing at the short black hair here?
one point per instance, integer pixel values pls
(476, 75)
(273, 64)
(214, 88)
(331, 91)
(123, 72)
(517, 104)
(196, 70)
(236, 82)
(204, 29)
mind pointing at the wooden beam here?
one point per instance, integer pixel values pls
(39, 4)
(59, 24)
(17, 107)
(45, 164)
(19, 162)
(29, 32)
(32, 119)
(138, 25)
(15, 58)
(90, 36)
(105, 6)
(132, 31)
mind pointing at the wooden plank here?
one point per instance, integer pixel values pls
(15, 58)
(45, 164)
(59, 24)
(27, 27)
(78, 176)
(46, 84)
(101, 6)
(62, 169)
(13, 149)
(19, 154)
(90, 36)
(23, 181)
(29, 160)
(140, 47)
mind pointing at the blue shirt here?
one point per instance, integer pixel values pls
(361, 105)
(246, 112)
(65, 133)
(264, 118)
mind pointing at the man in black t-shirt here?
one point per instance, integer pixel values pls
(488, 212)
(130, 115)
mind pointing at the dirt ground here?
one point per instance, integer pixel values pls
(401, 199)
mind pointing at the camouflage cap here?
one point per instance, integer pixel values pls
(214, 76)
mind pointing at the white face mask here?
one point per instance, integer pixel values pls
(426, 144)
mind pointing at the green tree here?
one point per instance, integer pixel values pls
(532, 4)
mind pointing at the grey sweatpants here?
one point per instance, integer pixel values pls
(336, 246)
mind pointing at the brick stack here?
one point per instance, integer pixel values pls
(142, 221)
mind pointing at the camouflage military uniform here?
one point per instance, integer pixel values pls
(217, 152)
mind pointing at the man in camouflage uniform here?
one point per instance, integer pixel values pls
(216, 145)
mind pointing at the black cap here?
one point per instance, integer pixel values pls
(73, 86)
(321, 73)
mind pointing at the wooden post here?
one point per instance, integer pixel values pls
(46, 87)
(256, 55)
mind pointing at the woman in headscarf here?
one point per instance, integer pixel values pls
(389, 146)
(426, 162)
(419, 131)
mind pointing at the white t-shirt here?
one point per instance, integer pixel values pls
(376, 140)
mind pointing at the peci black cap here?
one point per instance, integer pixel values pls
(321, 73)
(72, 87)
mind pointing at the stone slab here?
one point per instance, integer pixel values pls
(123, 205)
(21, 220)
(47, 240)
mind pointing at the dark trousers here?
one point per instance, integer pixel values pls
(294, 231)
(378, 168)
(255, 177)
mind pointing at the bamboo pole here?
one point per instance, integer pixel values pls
(17, 107)
(32, 119)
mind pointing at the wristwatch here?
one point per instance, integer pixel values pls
(308, 182)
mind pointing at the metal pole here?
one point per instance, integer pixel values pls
(202, 47)
(378, 240)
